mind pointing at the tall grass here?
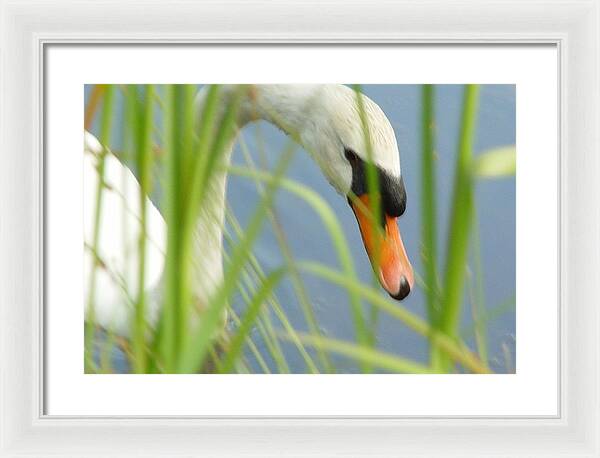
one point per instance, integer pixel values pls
(105, 139)
(429, 212)
(139, 106)
(294, 275)
(461, 220)
(259, 336)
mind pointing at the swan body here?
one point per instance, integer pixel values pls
(116, 282)
(326, 120)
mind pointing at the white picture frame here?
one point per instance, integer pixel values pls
(27, 27)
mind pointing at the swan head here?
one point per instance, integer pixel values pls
(326, 119)
(330, 126)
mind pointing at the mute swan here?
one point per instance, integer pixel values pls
(327, 121)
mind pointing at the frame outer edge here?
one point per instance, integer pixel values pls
(580, 225)
(23, 23)
(19, 247)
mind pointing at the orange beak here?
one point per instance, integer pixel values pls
(385, 249)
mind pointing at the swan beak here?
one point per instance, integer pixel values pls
(385, 250)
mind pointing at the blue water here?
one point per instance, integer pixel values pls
(308, 240)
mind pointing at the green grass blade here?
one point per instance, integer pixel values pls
(106, 352)
(496, 163)
(206, 125)
(144, 159)
(460, 217)
(105, 139)
(367, 356)
(296, 279)
(372, 175)
(175, 272)
(265, 325)
(429, 210)
(181, 215)
(478, 306)
(454, 349)
(428, 199)
(237, 343)
(211, 152)
(187, 223)
(374, 201)
(250, 277)
(487, 316)
(267, 329)
(336, 234)
(193, 357)
(251, 345)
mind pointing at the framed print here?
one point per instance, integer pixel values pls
(284, 234)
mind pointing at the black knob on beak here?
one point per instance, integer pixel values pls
(404, 289)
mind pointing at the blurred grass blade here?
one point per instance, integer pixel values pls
(105, 139)
(336, 234)
(188, 214)
(179, 154)
(106, 352)
(207, 125)
(367, 355)
(237, 343)
(496, 163)
(478, 306)
(294, 276)
(460, 218)
(252, 275)
(429, 211)
(142, 115)
(371, 169)
(92, 105)
(374, 201)
(193, 356)
(454, 349)
(507, 305)
(428, 201)
(172, 212)
(251, 345)
(265, 325)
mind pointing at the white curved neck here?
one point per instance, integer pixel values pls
(279, 105)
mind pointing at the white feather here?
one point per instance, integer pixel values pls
(116, 282)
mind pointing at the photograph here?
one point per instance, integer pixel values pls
(299, 228)
(269, 229)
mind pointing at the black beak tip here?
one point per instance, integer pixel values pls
(403, 291)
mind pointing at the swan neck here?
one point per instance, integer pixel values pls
(276, 104)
